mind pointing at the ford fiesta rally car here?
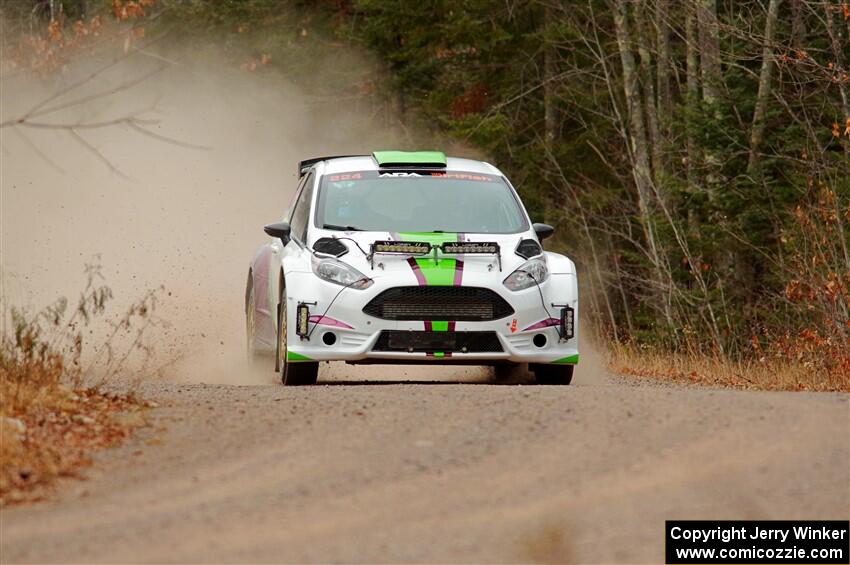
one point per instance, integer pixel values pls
(410, 257)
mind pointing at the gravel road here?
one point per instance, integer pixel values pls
(453, 471)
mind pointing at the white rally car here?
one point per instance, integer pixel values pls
(410, 257)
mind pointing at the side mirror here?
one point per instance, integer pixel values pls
(543, 231)
(280, 230)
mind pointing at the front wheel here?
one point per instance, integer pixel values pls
(291, 374)
(553, 374)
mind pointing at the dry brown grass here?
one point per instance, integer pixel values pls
(766, 373)
(53, 411)
(51, 433)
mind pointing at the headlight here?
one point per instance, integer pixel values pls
(530, 272)
(338, 272)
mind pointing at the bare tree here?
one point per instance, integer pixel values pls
(765, 75)
(798, 23)
(837, 43)
(549, 71)
(41, 114)
(662, 39)
(638, 145)
(709, 41)
(692, 102)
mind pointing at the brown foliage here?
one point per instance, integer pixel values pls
(473, 101)
(50, 430)
(53, 411)
(818, 289)
(767, 373)
(53, 47)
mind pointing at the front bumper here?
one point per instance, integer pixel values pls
(355, 334)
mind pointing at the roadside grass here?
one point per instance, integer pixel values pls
(54, 406)
(798, 373)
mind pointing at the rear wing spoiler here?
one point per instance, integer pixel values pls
(389, 160)
(304, 166)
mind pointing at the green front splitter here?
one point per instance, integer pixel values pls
(291, 356)
(571, 360)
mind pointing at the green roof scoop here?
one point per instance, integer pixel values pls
(410, 159)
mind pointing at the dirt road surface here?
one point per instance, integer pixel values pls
(404, 469)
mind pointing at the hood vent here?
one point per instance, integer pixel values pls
(528, 248)
(330, 246)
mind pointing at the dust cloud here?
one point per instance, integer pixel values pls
(188, 220)
(157, 214)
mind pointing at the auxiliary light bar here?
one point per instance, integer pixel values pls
(470, 247)
(411, 247)
(424, 248)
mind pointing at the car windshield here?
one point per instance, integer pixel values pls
(448, 201)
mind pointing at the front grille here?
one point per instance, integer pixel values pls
(449, 303)
(429, 342)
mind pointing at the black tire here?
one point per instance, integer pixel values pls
(291, 374)
(299, 374)
(553, 374)
(250, 324)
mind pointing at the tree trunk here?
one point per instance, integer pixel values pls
(549, 68)
(646, 80)
(837, 40)
(639, 151)
(692, 101)
(662, 11)
(637, 123)
(709, 47)
(763, 96)
(709, 32)
(798, 24)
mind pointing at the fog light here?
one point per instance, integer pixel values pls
(302, 320)
(568, 323)
(329, 338)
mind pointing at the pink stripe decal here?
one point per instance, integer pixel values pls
(428, 326)
(420, 278)
(326, 321)
(543, 324)
(458, 280)
(458, 272)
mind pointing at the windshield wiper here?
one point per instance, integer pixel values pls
(340, 228)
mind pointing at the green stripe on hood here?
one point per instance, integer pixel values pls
(440, 272)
